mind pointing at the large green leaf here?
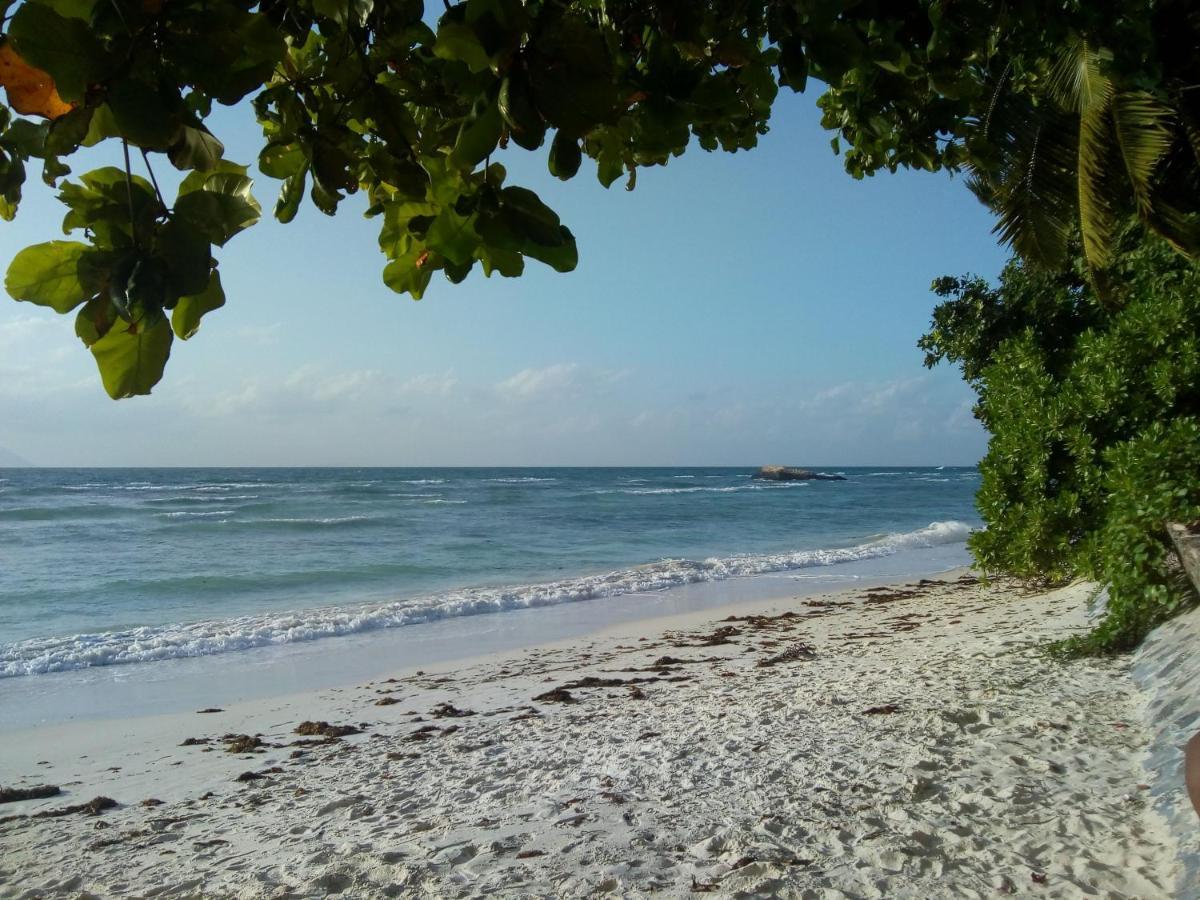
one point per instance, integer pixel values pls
(478, 136)
(94, 319)
(565, 156)
(187, 255)
(280, 160)
(291, 195)
(452, 236)
(132, 356)
(196, 181)
(149, 115)
(221, 208)
(57, 274)
(561, 257)
(224, 51)
(196, 148)
(185, 318)
(457, 41)
(523, 223)
(571, 74)
(409, 273)
(525, 123)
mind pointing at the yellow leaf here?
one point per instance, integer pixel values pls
(31, 91)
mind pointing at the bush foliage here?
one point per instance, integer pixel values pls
(1094, 412)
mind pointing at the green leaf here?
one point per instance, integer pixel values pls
(562, 257)
(225, 52)
(538, 222)
(282, 160)
(63, 47)
(793, 65)
(221, 208)
(324, 200)
(187, 255)
(331, 166)
(101, 205)
(525, 123)
(148, 115)
(409, 274)
(452, 236)
(508, 263)
(57, 274)
(68, 132)
(94, 319)
(185, 318)
(27, 138)
(458, 42)
(524, 224)
(102, 126)
(72, 9)
(478, 137)
(132, 356)
(571, 74)
(565, 156)
(196, 148)
(291, 195)
(195, 181)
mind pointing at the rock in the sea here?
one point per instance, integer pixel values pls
(791, 473)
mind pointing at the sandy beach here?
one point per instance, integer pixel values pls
(908, 741)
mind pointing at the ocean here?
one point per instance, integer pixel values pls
(135, 567)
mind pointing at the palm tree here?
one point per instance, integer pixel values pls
(1085, 148)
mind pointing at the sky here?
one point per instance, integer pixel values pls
(735, 309)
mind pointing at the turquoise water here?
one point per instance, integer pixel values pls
(130, 566)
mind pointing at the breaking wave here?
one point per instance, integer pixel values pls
(160, 642)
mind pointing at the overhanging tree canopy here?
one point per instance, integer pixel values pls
(1055, 109)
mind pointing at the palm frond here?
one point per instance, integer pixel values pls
(1036, 194)
(1178, 228)
(1097, 188)
(1077, 79)
(1144, 130)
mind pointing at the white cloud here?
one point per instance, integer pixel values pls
(532, 382)
(561, 381)
(429, 385)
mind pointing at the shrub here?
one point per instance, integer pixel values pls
(1094, 413)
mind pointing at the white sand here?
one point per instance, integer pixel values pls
(992, 771)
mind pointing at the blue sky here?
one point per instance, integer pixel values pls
(734, 309)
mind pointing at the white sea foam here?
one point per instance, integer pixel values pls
(203, 498)
(423, 481)
(162, 642)
(526, 480)
(194, 514)
(776, 486)
(302, 520)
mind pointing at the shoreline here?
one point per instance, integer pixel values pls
(175, 685)
(906, 741)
